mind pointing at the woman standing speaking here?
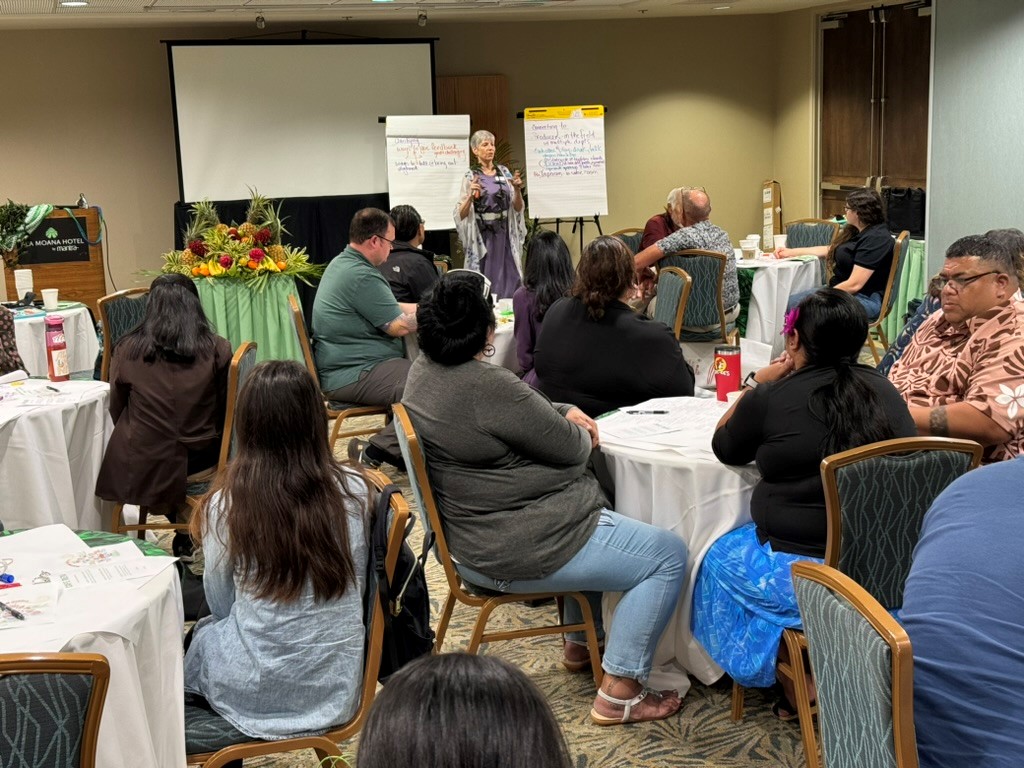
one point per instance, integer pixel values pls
(489, 218)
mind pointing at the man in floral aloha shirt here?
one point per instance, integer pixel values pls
(963, 373)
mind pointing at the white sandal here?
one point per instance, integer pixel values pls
(627, 707)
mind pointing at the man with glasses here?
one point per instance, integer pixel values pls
(358, 328)
(963, 373)
(409, 270)
(696, 231)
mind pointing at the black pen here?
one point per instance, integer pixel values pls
(657, 413)
(15, 613)
(52, 389)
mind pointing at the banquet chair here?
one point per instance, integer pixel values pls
(864, 668)
(875, 499)
(120, 313)
(441, 267)
(211, 741)
(674, 287)
(704, 306)
(430, 516)
(892, 286)
(809, 233)
(338, 411)
(50, 707)
(242, 363)
(631, 237)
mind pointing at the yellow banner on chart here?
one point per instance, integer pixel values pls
(562, 113)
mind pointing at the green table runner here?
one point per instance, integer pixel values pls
(241, 314)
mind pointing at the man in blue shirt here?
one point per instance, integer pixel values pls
(358, 328)
(963, 608)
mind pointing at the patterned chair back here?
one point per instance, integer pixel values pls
(120, 313)
(631, 237)
(674, 287)
(863, 671)
(50, 705)
(876, 497)
(704, 307)
(810, 233)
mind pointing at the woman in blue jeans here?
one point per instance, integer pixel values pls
(859, 260)
(521, 513)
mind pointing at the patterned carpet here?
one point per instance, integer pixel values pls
(702, 734)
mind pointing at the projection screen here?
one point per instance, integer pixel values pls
(291, 118)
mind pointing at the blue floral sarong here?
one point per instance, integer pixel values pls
(742, 601)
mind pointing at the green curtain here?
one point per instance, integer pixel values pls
(913, 284)
(239, 314)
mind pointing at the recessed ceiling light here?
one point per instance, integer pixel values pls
(73, 3)
(382, 1)
(721, 8)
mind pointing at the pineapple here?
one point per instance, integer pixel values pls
(247, 230)
(204, 217)
(261, 210)
(187, 258)
(277, 253)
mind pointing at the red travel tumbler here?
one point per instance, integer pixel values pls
(727, 370)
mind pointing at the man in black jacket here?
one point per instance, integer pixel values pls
(409, 270)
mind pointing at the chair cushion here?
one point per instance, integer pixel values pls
(206, 731)
(43, 716)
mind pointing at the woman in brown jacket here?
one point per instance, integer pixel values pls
(168, 387)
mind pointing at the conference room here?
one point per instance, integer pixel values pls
(724, 99)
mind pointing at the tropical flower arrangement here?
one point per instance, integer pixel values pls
(251, 251)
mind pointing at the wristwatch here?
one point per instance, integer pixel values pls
(750, 382)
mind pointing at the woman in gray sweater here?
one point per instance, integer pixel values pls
(521, 513)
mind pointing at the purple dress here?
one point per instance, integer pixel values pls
(526, 330)
(491, 210)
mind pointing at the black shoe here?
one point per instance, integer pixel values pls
(357, 453)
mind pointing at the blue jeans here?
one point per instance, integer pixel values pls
(872, 302)
(645, 563)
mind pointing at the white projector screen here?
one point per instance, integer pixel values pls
(292, 119)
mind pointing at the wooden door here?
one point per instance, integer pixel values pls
(483, 97)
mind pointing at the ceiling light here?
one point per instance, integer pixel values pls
(721, 8)
(73, 3)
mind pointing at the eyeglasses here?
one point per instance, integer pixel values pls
(959, 282)
(388, 240)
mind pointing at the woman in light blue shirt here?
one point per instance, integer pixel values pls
(283, 537)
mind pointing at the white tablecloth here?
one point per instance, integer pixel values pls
(775, 280)
(688, 491)
(79, 333)
(50, 455)
(139, 631)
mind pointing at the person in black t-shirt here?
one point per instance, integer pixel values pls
(812, 402)
(860, 259)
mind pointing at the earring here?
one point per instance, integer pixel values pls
(488, 350)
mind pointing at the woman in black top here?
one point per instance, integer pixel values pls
(811, 403)
(861, 257)
(597, 353)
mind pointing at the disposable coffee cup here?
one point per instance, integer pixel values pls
(504, 305)
(780, 241)
(755, 238)
(23, 282)
(50, 298)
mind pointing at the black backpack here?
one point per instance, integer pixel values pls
(405, 601)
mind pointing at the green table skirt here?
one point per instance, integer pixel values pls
(239, 314)
(913, 284)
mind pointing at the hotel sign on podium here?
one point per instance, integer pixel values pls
(60, 257)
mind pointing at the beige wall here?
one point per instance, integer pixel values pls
(691, 101)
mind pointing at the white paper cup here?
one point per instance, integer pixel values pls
(755, 238)
(504, 305)
(50, 298)
(749, 252)
(22, 282)
(780, 241)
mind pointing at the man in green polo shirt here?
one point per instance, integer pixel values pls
(358, 328)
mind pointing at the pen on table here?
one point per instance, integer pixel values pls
(658, 413)
(52, 389)
(15, 613)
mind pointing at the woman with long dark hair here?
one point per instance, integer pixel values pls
(283, 537)
(860, 258)
(168, 391)
(456, 693)
(521, 512)
(811, 403)
(547, 277)
(595, 352)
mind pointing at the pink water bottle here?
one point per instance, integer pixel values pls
(56, 349)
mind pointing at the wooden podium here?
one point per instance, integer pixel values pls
(60, 258)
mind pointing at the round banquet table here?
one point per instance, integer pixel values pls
(79, 333)
(680, 486)
(138, 627)
(50, 453)
(774, 281)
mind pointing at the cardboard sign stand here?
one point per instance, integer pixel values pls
(76, 278)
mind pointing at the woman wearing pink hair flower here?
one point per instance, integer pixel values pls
(812, 402)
